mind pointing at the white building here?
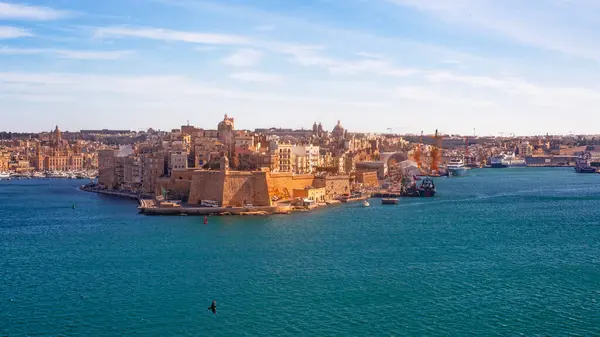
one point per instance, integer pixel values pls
(305, 158)
(178, 160)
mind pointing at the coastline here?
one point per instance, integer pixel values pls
(149, 207)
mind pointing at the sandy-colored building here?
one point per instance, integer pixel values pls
(106, 167)
(335, 185)
(4, 161)
(153, 167)
(311, 193)
(283, 151)
(60, 156)
(367, 178)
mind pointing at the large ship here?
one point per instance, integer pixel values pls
(498, 162)
(582, 164)
(507, 160)
(456, 168)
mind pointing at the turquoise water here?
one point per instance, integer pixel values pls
(499, 252)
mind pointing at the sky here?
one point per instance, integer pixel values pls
(461, 66)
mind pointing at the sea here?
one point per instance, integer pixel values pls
(499, 252)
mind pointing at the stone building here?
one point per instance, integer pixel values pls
(106, 167)
(60, 156)
(177, 160)
(153, 167)
(226, 134)
(335, 185)
(4, 161)
(283, 151)
(367, 178)
(338, 131)
(311, 193)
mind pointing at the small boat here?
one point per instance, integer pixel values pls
(365, 203)
(389, 201)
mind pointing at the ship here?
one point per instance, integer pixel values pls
(389, 201)
(456, 168)
(4, 175)
(427, 188)
(582, 164)
(506, 160)
(498, 162)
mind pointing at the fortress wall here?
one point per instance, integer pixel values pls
(241, 188)
(282, 184)
(206, 185)
(176, 187)
(335, 186)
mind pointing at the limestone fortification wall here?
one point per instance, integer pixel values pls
(282, 184)
(335, 186)
(206, 185)
(242, 188)
(231, 188)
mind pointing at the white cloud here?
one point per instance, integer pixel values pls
(444, 96)
(568, 28)
(68, 54)
(244, 58)
(339, 66)
(256, 77)
(25, 12)
(8, 32)
(172, 35)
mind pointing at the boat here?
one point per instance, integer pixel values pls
(55, 174)
(209, 203)
(582, 164)
(365, 203)
(456, 168)
(507, 160)
(5, 175)
(498, 162)
(389, 201)
(39, 175)
(427, 188)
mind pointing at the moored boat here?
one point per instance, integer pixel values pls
(582, 164)
(456, 168)
(427, 188)
(389, 201)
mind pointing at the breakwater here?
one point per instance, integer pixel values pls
(112, 193)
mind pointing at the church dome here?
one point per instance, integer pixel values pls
(338, 127)
(226, 122)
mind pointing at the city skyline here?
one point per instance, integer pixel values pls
(408, 65)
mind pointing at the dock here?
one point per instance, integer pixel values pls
(148, 207)
(387, 195)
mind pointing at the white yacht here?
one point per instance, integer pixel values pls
(456, 168)
(4, 175)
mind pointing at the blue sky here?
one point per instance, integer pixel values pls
(511, 66)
